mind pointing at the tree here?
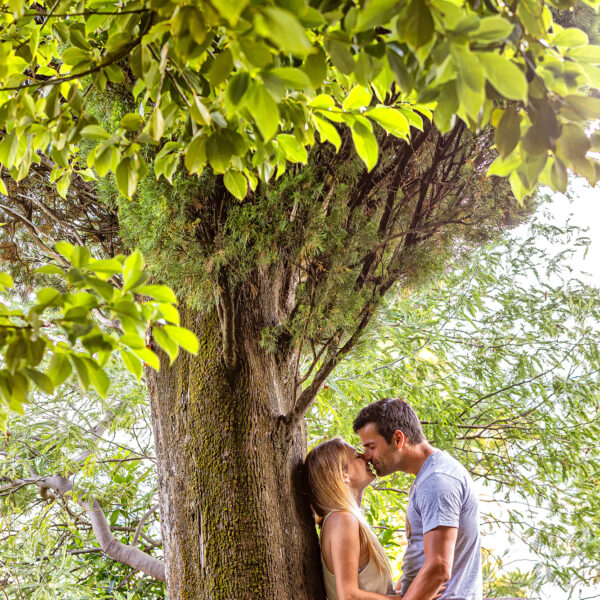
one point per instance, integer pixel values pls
(500, 358)
(466, 325)
(279, 248)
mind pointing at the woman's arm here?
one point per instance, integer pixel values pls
(342, 552)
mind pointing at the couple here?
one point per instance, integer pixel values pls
(443, 556)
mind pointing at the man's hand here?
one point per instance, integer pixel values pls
(430, 582)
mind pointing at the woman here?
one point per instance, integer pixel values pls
(355, 566)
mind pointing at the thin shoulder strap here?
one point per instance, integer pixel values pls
(325, 518)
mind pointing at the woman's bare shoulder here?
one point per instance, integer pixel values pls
(340, 519)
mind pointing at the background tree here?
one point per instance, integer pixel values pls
(499, 356)
(279, 253)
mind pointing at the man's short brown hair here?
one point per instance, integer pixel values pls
(391, 414)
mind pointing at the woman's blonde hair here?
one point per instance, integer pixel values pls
(325, 467)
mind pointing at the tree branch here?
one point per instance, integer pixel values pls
(110, 545)
(226, 313)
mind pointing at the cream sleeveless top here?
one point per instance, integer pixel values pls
(370, 578)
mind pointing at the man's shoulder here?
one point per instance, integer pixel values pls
(444, 463)
(443, 469)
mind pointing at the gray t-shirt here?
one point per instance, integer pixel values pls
(443, 494)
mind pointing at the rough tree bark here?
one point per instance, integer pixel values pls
(234, 519)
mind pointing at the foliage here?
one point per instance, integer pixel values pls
(500, 359)
(61, 325)
(48, 549)
(245, 87)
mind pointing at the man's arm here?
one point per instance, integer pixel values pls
(438, 545)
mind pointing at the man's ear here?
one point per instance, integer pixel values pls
(398, 439)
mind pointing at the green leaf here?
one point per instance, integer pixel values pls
(8, 149)
(365, 144)
(315, 66)
(169, 313)
(417, 29)
(571, 38)
(165, 342)
(530, 13)
(294, 151)
(400, 71)
(62, 185)
(41, 380)
(98, 377)
(264, 111)
(292, 77)
(127, 177)
(132, 363)
(6, 281)
(109, 266)
(80, 256)
(492, 29)
(195, 154)
(161, 293)
(508, 132)
(468, 67)
(236, 183)
(559, 176)
(230, 9)
(59, 368)
(501, 167)
(518, 188)
(132, 269)
(328, 132)
(219, 151)
(340, 56)
(64, 248)
(81, 370)
(585, 54)
(148, 357)
(49, 297)
(358, 97)
(284, 30)
(131, 122)
(391, 119)
(50, 270)
(132, 340)
(183, 337)
(375, 13)
(237, 87)
(504, 75)
(94, 132)
(257, 53)
(156, 128)
(573, 144)
(586, 107)
(220, 68)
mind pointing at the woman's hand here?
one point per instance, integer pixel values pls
(400, 596)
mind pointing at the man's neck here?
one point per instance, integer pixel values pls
(416, 456)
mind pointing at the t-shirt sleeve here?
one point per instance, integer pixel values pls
(439, 500)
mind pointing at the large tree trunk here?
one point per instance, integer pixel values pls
(234, 515)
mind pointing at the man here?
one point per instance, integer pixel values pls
(442, 517)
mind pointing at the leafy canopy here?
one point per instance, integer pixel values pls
(60, 326)
(246, 87)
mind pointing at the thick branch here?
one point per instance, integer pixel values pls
(226, 313)
(111, 546)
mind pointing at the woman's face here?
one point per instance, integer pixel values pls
(359, 471)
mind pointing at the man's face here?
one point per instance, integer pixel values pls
(385, 457)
